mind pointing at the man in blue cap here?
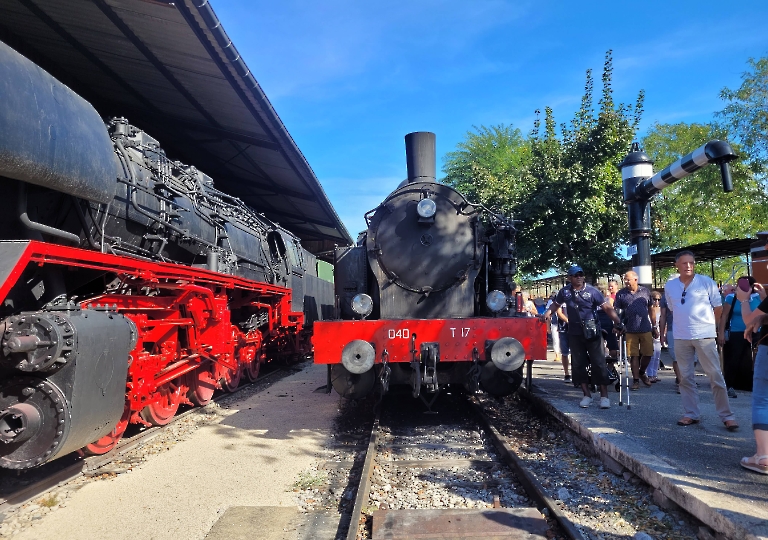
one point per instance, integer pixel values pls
(584, 333)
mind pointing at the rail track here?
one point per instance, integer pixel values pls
(480, 461)
(450, 475)
(20, 487)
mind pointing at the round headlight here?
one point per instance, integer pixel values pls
(496, 301)
(362, 304)
(426, 208)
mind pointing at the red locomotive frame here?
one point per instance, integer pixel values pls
(187, 344)
(460, 340)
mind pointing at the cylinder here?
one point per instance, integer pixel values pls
(50, 136)
(420, 156)
(46, 413)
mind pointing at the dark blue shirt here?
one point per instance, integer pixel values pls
(580, 305)
(635, 306)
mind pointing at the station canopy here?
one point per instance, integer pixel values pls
(705, 252)
(171, 70)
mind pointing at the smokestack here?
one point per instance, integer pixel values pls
(420, 156)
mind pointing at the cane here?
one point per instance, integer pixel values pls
(627, 370)
(621, 367)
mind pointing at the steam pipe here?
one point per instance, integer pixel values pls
(35, 226)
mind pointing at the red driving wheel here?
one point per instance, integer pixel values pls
(161, 411)
(110, 440)
(201, 386)
(252, 369)
(230, 378)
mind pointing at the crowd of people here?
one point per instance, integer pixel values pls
(722, 331)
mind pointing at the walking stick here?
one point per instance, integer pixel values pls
(627, 370)
(620, 362)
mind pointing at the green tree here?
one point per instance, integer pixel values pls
(488, 166)
(695, 209)
(747, 114)
(575, 212)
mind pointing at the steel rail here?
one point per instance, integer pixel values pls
(364, 487)
(529, 482)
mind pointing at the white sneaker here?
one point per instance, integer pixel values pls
(605, 403)
(585, 402)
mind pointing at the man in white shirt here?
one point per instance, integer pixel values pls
(696, 303)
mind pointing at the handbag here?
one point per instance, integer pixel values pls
(591, 329)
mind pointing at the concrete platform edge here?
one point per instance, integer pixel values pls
(648, 471)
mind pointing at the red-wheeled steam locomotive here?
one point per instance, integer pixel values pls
(129, 284)
(426, 297)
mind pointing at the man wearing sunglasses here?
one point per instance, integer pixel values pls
(581, 302)
(696, 303)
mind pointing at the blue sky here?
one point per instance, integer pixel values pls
(350, 78)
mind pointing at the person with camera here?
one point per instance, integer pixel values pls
(584, 334)
(696, 303)
(755, 319)
(737, 351)
(635, 301)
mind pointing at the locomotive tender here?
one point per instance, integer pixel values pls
(426, 297)
(129, 284)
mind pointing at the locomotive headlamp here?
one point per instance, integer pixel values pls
(362, 304)
(426, 208)
(496, 301)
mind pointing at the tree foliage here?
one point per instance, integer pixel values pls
(562, 184)
(696, 209)
(747, 114)
(488, 166)
(576, 214)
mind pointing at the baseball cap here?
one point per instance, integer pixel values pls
(573, 270)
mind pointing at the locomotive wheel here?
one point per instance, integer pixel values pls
(201, 386)
(160, 412)
(110, 440)
(350, 385)
(252, 369)
(499, 383)
(230, 379)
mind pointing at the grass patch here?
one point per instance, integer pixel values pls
(308, 480)
(49, 501)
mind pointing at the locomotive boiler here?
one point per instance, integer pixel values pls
(129, 284)
(426, 298)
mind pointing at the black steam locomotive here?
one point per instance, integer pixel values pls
(426, 297)
(129, 283)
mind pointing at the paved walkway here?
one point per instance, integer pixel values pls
(696, 466)
(242, 467)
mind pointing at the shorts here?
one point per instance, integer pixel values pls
(564, 343)
(639, 344)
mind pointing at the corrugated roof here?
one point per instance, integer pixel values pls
(170, 68)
